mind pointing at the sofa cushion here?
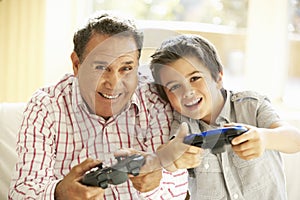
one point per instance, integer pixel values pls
(10, 120)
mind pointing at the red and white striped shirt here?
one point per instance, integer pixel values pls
(58, 132)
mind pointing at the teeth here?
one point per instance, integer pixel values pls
(110, 96)
(193, 102)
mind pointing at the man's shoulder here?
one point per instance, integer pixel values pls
(53, 92)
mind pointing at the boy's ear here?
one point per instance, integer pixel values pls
(75, 63)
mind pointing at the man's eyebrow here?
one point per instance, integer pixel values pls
(127, 62)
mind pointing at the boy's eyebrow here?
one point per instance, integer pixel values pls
(169, 83)
(194, 72)
(190, 74)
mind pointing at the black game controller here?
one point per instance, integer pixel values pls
(115, 174)
(215, 139)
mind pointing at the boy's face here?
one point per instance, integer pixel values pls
(190, 88)
(108, 75)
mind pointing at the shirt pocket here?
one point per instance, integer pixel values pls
(254, 174)
(209, 179)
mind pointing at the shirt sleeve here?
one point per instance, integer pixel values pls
(33, 176)
(266, 113)
(173, 185)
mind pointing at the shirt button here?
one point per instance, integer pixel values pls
(206, 166)
(235, 196)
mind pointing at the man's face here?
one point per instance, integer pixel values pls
(108, 75)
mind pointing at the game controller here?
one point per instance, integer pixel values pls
(215, 139)
(115, 174)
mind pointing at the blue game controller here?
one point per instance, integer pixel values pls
(215, 139)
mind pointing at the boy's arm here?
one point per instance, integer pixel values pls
(280, 136)
(164, 175)
(283, 137)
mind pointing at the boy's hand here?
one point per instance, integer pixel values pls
(250, 144)
(176, 155)
(70, 187)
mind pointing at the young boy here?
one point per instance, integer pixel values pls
(188, 73)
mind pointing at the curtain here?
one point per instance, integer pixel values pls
(21, 48)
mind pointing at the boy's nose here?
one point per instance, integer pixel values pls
(188, 92)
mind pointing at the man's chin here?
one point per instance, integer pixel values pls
(107, 113)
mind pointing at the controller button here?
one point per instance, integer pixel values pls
(206, 166)
(235, 196)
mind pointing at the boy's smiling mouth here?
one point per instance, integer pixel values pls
(193, 103)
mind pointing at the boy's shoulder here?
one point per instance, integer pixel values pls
(149, 90)
(246, 95)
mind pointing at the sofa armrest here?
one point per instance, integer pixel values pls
(10, 120)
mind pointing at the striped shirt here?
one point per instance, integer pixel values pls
(58, 132)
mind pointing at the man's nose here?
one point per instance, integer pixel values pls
(111, 79)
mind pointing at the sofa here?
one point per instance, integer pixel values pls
(10, 119)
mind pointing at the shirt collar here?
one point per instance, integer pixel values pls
(224, 116)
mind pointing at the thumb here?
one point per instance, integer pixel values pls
(85, 166)
(182, 131)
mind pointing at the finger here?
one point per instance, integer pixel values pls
(152, 164)
(242, 138)
(194, 150)
(122, 152)
(182, 131)
(82, 168)
(94, 192)
(230, 124)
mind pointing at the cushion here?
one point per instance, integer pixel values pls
(10, 120)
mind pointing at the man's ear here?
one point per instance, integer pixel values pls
(75, 62)
(220, 80)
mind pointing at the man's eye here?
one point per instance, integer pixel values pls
(127, 68)
(174, 87)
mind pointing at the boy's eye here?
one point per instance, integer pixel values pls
(101, 67)
(174, 87)
(195, 78)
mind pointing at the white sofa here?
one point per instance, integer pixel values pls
(10, 119)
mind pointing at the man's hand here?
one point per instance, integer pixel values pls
(71, 188)
(250, 144)
(176, 155)
(150, 173)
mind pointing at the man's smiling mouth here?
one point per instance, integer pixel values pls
(108, 96)
(194, 102)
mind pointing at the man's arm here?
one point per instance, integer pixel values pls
(34, 176)
(36, 147)
(71, 188)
